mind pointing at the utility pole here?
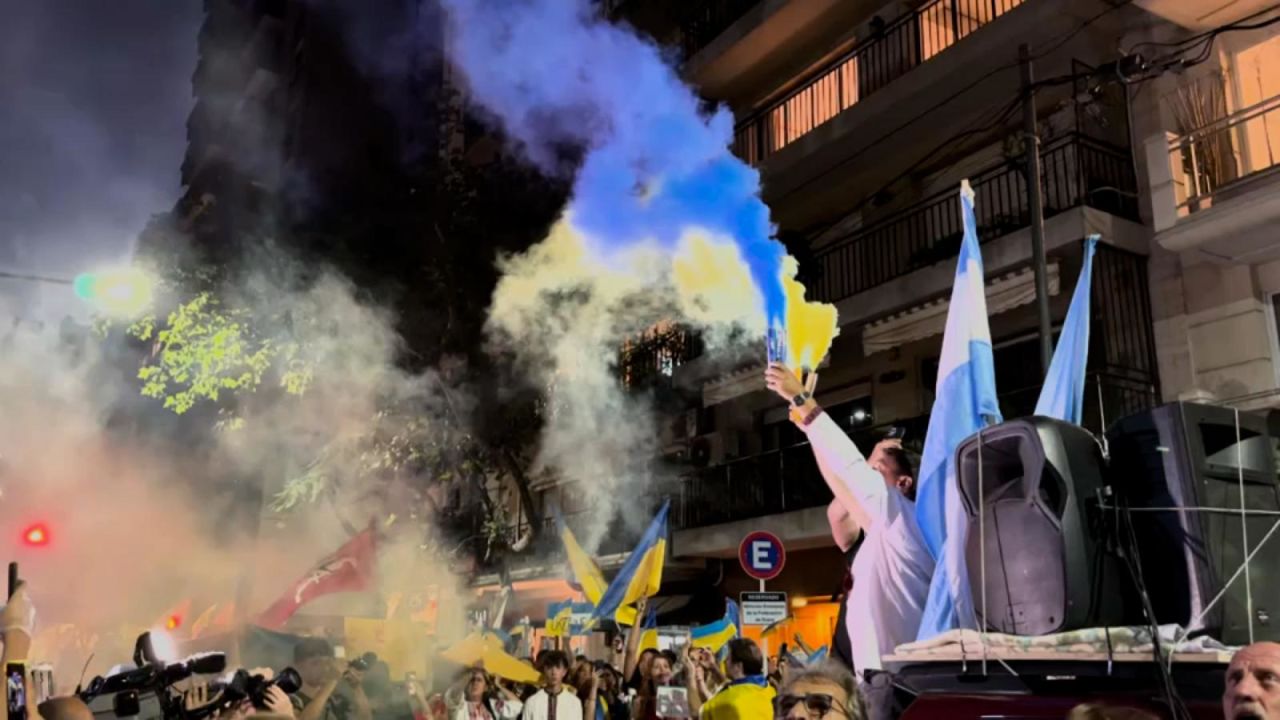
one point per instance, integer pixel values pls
(1031, 146)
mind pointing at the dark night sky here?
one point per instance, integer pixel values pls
(94, 96)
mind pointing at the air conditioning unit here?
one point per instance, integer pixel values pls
(712, 449)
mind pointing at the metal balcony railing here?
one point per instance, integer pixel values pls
(771, 482)
(788, 479)
(707, 19)
(1210, 161)
(889, 53)
(1078, 171)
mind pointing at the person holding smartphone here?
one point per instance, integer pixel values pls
(17, 626)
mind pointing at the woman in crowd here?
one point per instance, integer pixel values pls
(661, 674)
(473, 698)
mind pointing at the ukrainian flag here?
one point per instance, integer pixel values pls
(649, 631)
(558, 617)
(587, 575)
(641, 575)
(717, 634)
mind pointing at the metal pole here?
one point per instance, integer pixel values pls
(35, 278)
(1031, 140)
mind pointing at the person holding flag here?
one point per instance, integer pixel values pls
(892, 569)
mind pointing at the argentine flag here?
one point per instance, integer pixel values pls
(965, 400)
(1062, 395)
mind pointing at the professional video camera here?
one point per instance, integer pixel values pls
(147, 692)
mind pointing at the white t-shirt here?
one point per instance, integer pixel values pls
(892, 569)
(568, 706)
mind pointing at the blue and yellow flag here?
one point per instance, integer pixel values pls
(641, 575)
(586, 573)
(715, 635)
(558, 617)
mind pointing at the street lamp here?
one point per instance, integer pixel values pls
(119, 292)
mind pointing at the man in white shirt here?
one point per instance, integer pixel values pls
(892, 569)
(555, 701)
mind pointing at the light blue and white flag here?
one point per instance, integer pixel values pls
(1062, 396)
(965, 401)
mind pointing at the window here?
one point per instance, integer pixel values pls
(1257, 80)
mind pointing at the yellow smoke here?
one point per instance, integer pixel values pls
(811, 326)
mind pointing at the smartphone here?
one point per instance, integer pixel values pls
(897, 432)
(15, 690)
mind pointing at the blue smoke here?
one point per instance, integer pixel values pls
(555, 74)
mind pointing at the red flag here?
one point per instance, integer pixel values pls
(347, 570)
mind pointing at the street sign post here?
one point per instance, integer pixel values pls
(762, 556)
(763, 608)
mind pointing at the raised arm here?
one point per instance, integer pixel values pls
(845, 531)
(632, 657)
(860, 489)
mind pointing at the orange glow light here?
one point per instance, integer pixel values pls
(36, 535)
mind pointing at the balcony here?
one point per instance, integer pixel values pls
(1214, 187)
(891, 51)
(650, 361)
(788, 481)
(1078, 172)
(707, 19)
(1203, 14)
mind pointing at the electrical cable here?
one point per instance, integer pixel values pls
(1213, 32)
(1133, 562)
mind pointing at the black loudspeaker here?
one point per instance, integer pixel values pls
(1036, 529)
(1187, 455)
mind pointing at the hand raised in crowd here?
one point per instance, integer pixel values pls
(782, 381)
(19, 615)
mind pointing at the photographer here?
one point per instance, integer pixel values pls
(321, 672)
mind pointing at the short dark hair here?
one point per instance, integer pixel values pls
(310, 647)
(552, 658)
(672, 658)
(901, 459)
(745, 652)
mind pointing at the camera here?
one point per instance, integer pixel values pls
(244, 686)
(363, 662)
(147, 692)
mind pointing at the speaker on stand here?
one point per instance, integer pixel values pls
(1036, 539)
(1187, 455)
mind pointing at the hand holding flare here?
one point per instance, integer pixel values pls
(787, 384)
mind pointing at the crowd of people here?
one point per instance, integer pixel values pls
(690, 684)
(872, 520)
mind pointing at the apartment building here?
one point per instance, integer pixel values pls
(862, 117)
(1210, 138)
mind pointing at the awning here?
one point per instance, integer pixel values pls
(1004, 293)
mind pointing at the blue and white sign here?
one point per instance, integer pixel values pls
(761, 555)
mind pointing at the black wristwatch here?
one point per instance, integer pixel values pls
(800, 400)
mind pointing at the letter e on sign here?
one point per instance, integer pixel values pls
(761, 555)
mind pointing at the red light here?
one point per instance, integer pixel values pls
(173, 622)
(36, 535)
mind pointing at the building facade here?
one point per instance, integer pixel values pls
(863, 117)
(1209, 140)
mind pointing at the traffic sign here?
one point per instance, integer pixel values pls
(763, 608)
(761, 555)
